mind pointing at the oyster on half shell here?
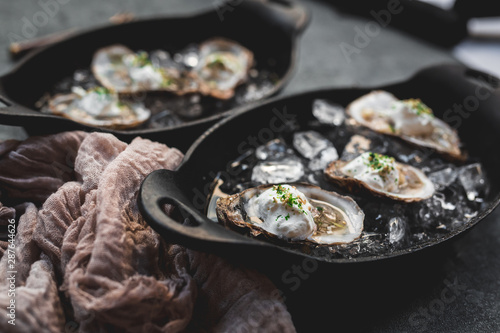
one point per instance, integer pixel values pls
(98, 107)
(124, 71)
(382, 176)
(223, 65)
(410, 120)
(295, 213)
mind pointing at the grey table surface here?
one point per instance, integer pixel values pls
(390, 56)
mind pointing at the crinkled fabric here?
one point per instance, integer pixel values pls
(86, 261)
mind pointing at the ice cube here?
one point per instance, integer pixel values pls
(431, 210)
(464, 211)
(443, 178)
(273, 150)
(474, 182)
(81, 75)
(328, 113)
(254, 91)
(415, 157)
(287, 170)
(324, 158)
(421, 236)
(397, 229)
(189, 56)
(311, 178)
(164, 118)
(191, 59)
(162, 59)
(440, 197)
(310, 143)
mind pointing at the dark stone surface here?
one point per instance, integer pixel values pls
(388, 301)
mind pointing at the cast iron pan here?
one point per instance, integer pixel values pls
(442, 27)
(269, 28)
(441, 87)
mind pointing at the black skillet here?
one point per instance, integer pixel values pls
(269, 28)
(443, 27)
(441, 87)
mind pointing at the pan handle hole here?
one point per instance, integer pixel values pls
(179, 213)
(4, 103)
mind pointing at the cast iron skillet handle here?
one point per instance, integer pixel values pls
(163, 186)
(492, 81)
(16, 115)
(6, 105)
(13, 111)
(289, 12)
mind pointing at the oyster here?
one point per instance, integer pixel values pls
(381, 175)
(299, 213)
(410, 119)
(121, 70)
(98, 107)
(222, 66)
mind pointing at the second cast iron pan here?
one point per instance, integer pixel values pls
(441, 87)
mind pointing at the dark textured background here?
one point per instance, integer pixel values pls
(472, 262)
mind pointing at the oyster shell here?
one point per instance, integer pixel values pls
(222, 66)
(411, 120)
(98, 107)
(298, 213)
(382, 176)
(123, 71)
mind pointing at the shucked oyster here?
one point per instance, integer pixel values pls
(223, 65)
(410, 119)
(123, 71)
(299, 213)
(381, 175)
(98, 107)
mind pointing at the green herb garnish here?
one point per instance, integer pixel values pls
(284, 195)
(217, 62)
(393, 130)
(383, 164)
(121, 105)
(101, 91)
(420, 108)
(167, 82)
(141, 59)
(286, 217)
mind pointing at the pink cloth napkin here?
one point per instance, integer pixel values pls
(86, 260)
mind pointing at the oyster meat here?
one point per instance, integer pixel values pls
(298, 213)
(381, 175)
(222, 66)
(98, 107)
(410, 119)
